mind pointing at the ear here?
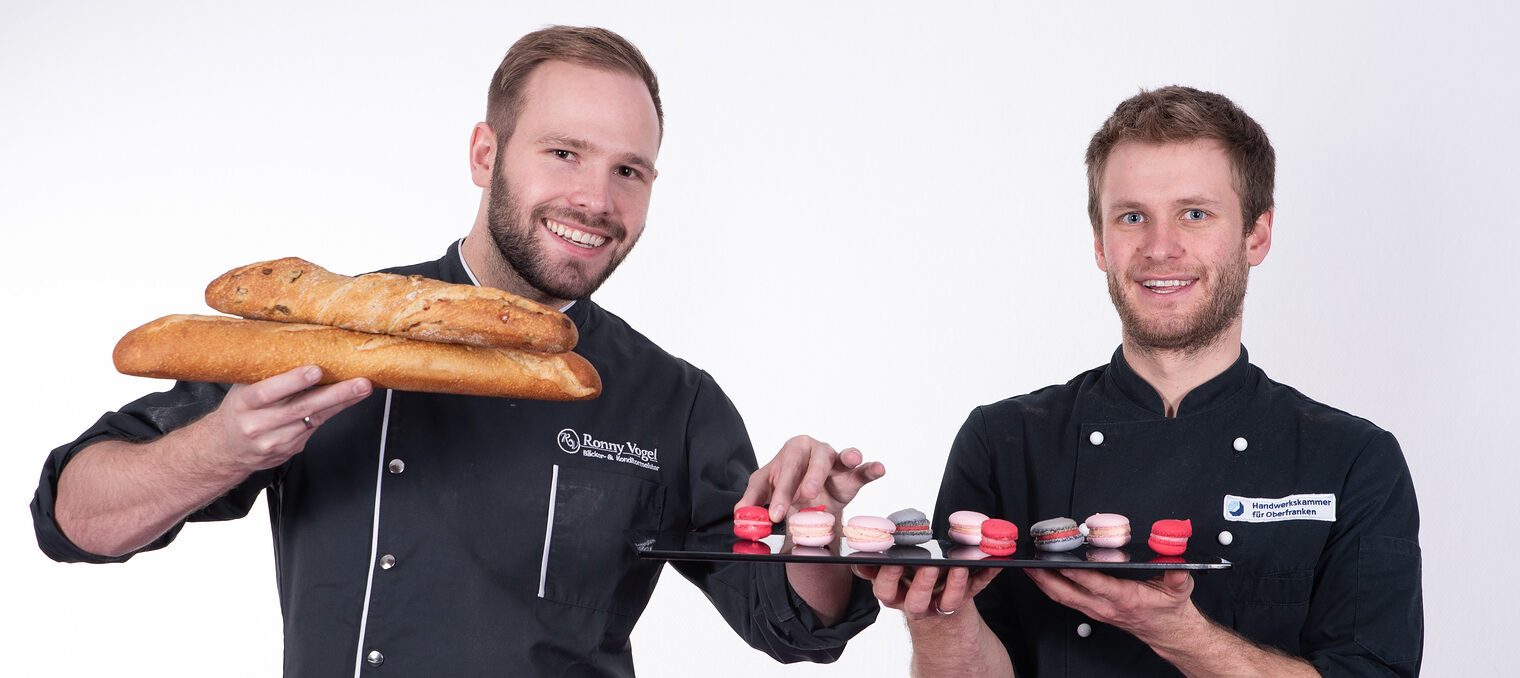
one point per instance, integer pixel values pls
(482, 154)
(1098, 251)
(1260, 239)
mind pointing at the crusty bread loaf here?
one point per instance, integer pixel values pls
(232, 350)
(297, 291)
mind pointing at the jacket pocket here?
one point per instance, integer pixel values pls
(589, 558)
(1389, 605)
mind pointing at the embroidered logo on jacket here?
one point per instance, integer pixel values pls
(1291, 507)
(627, 452)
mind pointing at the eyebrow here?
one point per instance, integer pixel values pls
(584, 146)
(1195, 199)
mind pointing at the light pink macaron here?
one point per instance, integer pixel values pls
(869, 533)
(966, 527)
(1107, 530)
(811, 528)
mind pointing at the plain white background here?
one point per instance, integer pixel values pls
(869, 219)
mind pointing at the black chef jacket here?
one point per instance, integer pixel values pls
(1343, 593)
(425, 534)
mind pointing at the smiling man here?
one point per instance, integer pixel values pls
(432, 535)
(1325, 576)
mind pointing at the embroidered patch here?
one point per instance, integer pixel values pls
(1291, 507)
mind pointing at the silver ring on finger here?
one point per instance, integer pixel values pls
(942, 613)
(307, 421)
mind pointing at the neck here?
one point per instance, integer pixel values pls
(1175, 373)
(491, 268)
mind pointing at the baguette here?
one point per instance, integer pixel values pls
(297, 291)
(231, 350)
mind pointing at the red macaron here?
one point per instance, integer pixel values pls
(752, 522)
(999, 537)
(1170, 537)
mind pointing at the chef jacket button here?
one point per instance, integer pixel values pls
(1225, 538)
(1096, 438)
(387, 561)
(1240, 444)
(374, 658)
(1084, 629)
(396, 466)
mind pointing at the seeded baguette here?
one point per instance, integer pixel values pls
(232, 350)
(297, 291)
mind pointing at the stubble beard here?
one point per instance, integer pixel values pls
(524, 254)
(1196, 332)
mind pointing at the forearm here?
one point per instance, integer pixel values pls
(957, 645)
(115, 497)
(1200, 647)
(825, 588)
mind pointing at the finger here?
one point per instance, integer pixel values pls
(887, 585)
(920, 594)
(785, 475)
(820, 463)
(849, 485)
(1176, 582)
(866, 572)
(357, 393)
(322, 403)
(758, 488)
(1094, 582)
(981, 578)
(849, 458)
(955, 592)
(269, 391)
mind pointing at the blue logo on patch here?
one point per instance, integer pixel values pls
(1235, 508)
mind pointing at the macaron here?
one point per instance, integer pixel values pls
(752, 522)
(811, 528)
(752, 548)
(1170, 537)
(966, 527)
(999, 537)
(869, 533)
(1056, 534)
(1107, 555)
(912, 527)
(1107, 530)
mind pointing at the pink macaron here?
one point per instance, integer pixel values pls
(811, 528)
(1107, 530)
(869, 533)
(966, 527)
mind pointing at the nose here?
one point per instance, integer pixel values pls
(593, 192)
(1163, 242)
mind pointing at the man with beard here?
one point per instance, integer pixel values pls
(426, 534)
(1313, 507)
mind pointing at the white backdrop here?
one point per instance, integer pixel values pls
(836, 182)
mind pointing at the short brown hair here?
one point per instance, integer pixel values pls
(582, 45)
(1179, 114)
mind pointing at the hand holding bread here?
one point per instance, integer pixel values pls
(403, 332)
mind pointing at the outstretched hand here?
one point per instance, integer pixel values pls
(918, 593)
(261, 425)
(1141, 607)
(808, 472)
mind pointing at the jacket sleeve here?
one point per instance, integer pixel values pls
(754, 598)
(140, 421)
(1366, 615)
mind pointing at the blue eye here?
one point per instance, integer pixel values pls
(1195, 215)
(1132, 218)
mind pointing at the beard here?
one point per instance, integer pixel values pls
(1196, 331)
(517, 240)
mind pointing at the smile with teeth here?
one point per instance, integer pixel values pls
(574, 236)
(1166, 286)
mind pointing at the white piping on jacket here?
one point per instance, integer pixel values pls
(374, 537)
(543, 568)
